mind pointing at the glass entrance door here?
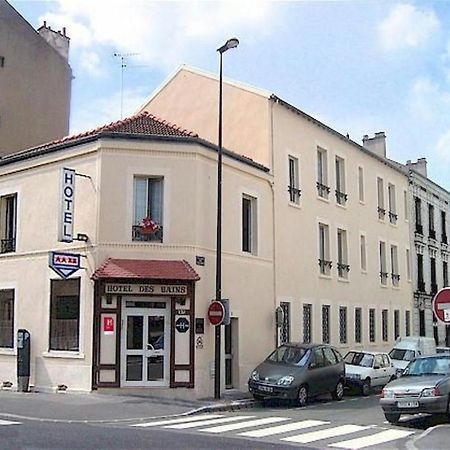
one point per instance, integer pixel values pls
(145, 347)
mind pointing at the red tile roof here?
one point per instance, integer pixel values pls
(146, 269)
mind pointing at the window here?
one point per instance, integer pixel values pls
(65, 315)
(392, 204)
(444, 228)
(358, 325)
(148, 209)
(307, 324)
(383, 268)
(285, 335)
(324, 249)
(445, 273)
(294, 185)
(431, 229)
(330, 357)
(361, 184)
(326, 324)
(372, 325)
(405, 205)
(384, 324)
(418, 214)
(420, 280)
(342, 266)
(341, 196)
(408, 264)
(7, 318)
(2, 61)
(363, 252)
(249, 224)
(342, 324)
(394, 266)
(322, 173)
(434, 286)
(380, 196)
(407, 323)
(396, 324)
(8, 220)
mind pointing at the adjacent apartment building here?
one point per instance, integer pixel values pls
(35, 82)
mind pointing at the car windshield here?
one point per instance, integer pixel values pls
(428, 366)
(288, 354)
(359, 359)
(402, 355)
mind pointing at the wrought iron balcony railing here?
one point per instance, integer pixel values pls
(322, 190)
(294, 194)
(381, 213)
(393, 217)
(139, 235)
(325, 266)
(341, 197)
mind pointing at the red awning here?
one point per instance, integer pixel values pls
(137, 269)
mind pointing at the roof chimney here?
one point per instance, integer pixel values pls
(420, 166)
(376, 144)
(59, 41)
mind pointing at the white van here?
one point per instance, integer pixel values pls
(408, 348)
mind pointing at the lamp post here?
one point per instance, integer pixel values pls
(231, 43)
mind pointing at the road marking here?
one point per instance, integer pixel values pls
(182, 426)
(378, 438)
(179, 420)
(8, 422)
(324, 434)
(283, 428)
(247, 424)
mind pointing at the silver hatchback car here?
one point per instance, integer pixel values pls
(424, 387)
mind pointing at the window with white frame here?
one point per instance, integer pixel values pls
(341, 196)
(363, 252)
(396, 324)
(418, 215)
(324, 249)
(307, 323)
(249, 238)
(392, 204)
(394, 266)
(431, 228)
(294, 183)
(326, 324)
(372, 329)
(342, 263)
(7, 318)
(405, 205)
(343, 324)
(323, 188)
(8, 220)
(384, 324)
(380, 197)
(148, 209)
(383, 266)
(407, 323)
(65, 315)
(358, 325)
(444, 227)
(361, 184)
(408, 264)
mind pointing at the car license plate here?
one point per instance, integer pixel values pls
(410, 404)
(265, 388)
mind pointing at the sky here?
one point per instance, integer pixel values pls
(359, 66)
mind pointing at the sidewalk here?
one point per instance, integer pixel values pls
(108, 407)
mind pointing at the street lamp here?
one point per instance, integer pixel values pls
(231, 43)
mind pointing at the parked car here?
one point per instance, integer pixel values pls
(298, 372)
(424, 387)
(444, 350)
(364, 370)
(410, 347)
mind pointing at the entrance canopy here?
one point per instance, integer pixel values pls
(135, 269)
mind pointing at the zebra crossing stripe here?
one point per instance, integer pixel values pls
(270, 431)
(325, 434)
(247, 424)
(178, 420)
(374, 439)
(8, 422)
(182, 426)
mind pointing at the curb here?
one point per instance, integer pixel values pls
(232, 406)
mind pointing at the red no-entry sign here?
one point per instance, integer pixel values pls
(441, 305)
(216, 313)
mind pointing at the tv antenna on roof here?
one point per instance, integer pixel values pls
(122, 57)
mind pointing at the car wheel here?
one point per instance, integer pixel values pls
(365, 388)
(302, 395)
(392, 417)
(338, 392)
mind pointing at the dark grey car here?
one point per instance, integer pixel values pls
(424, 387)
(298, 372)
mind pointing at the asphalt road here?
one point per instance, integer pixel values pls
(354, 423)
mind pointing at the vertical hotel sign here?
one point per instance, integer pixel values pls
(67, 203)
